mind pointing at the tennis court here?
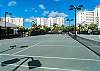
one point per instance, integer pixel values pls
(51, 52)
(92, 37)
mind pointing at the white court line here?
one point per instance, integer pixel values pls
(62, 58)
(51, 45)
(48, 68)
(25, 49)
(4, 54)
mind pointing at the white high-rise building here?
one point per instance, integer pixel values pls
(16, 21)
(88, 17)
(42, 21)
(50, 21)
(85, 17)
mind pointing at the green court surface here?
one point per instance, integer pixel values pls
(55, 52)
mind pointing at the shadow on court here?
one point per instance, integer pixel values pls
(31, 64)
(13, 47)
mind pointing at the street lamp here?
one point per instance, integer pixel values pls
(0, 32)
(69, 20)
(6, 13)
(75, 8)
(97, 20)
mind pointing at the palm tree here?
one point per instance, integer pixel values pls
(92, 27)
(86, 27)
(79, 27)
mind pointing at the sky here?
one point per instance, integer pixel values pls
(43, 8)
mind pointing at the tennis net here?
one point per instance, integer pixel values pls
(90, 44)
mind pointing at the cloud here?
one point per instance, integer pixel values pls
(32, 9)
(26, 10)
(57, 14)
(32, 17)
(12, 3)
(29, 19)
(56, 0)
(35, 11)
(45, 13)
(29, 10)
(42, 6)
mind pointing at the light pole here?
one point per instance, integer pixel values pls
(69, 20)
(0, 32)
(6, 13)
(75, 8)
(97, 20)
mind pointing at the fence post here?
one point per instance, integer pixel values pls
(0, 32)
